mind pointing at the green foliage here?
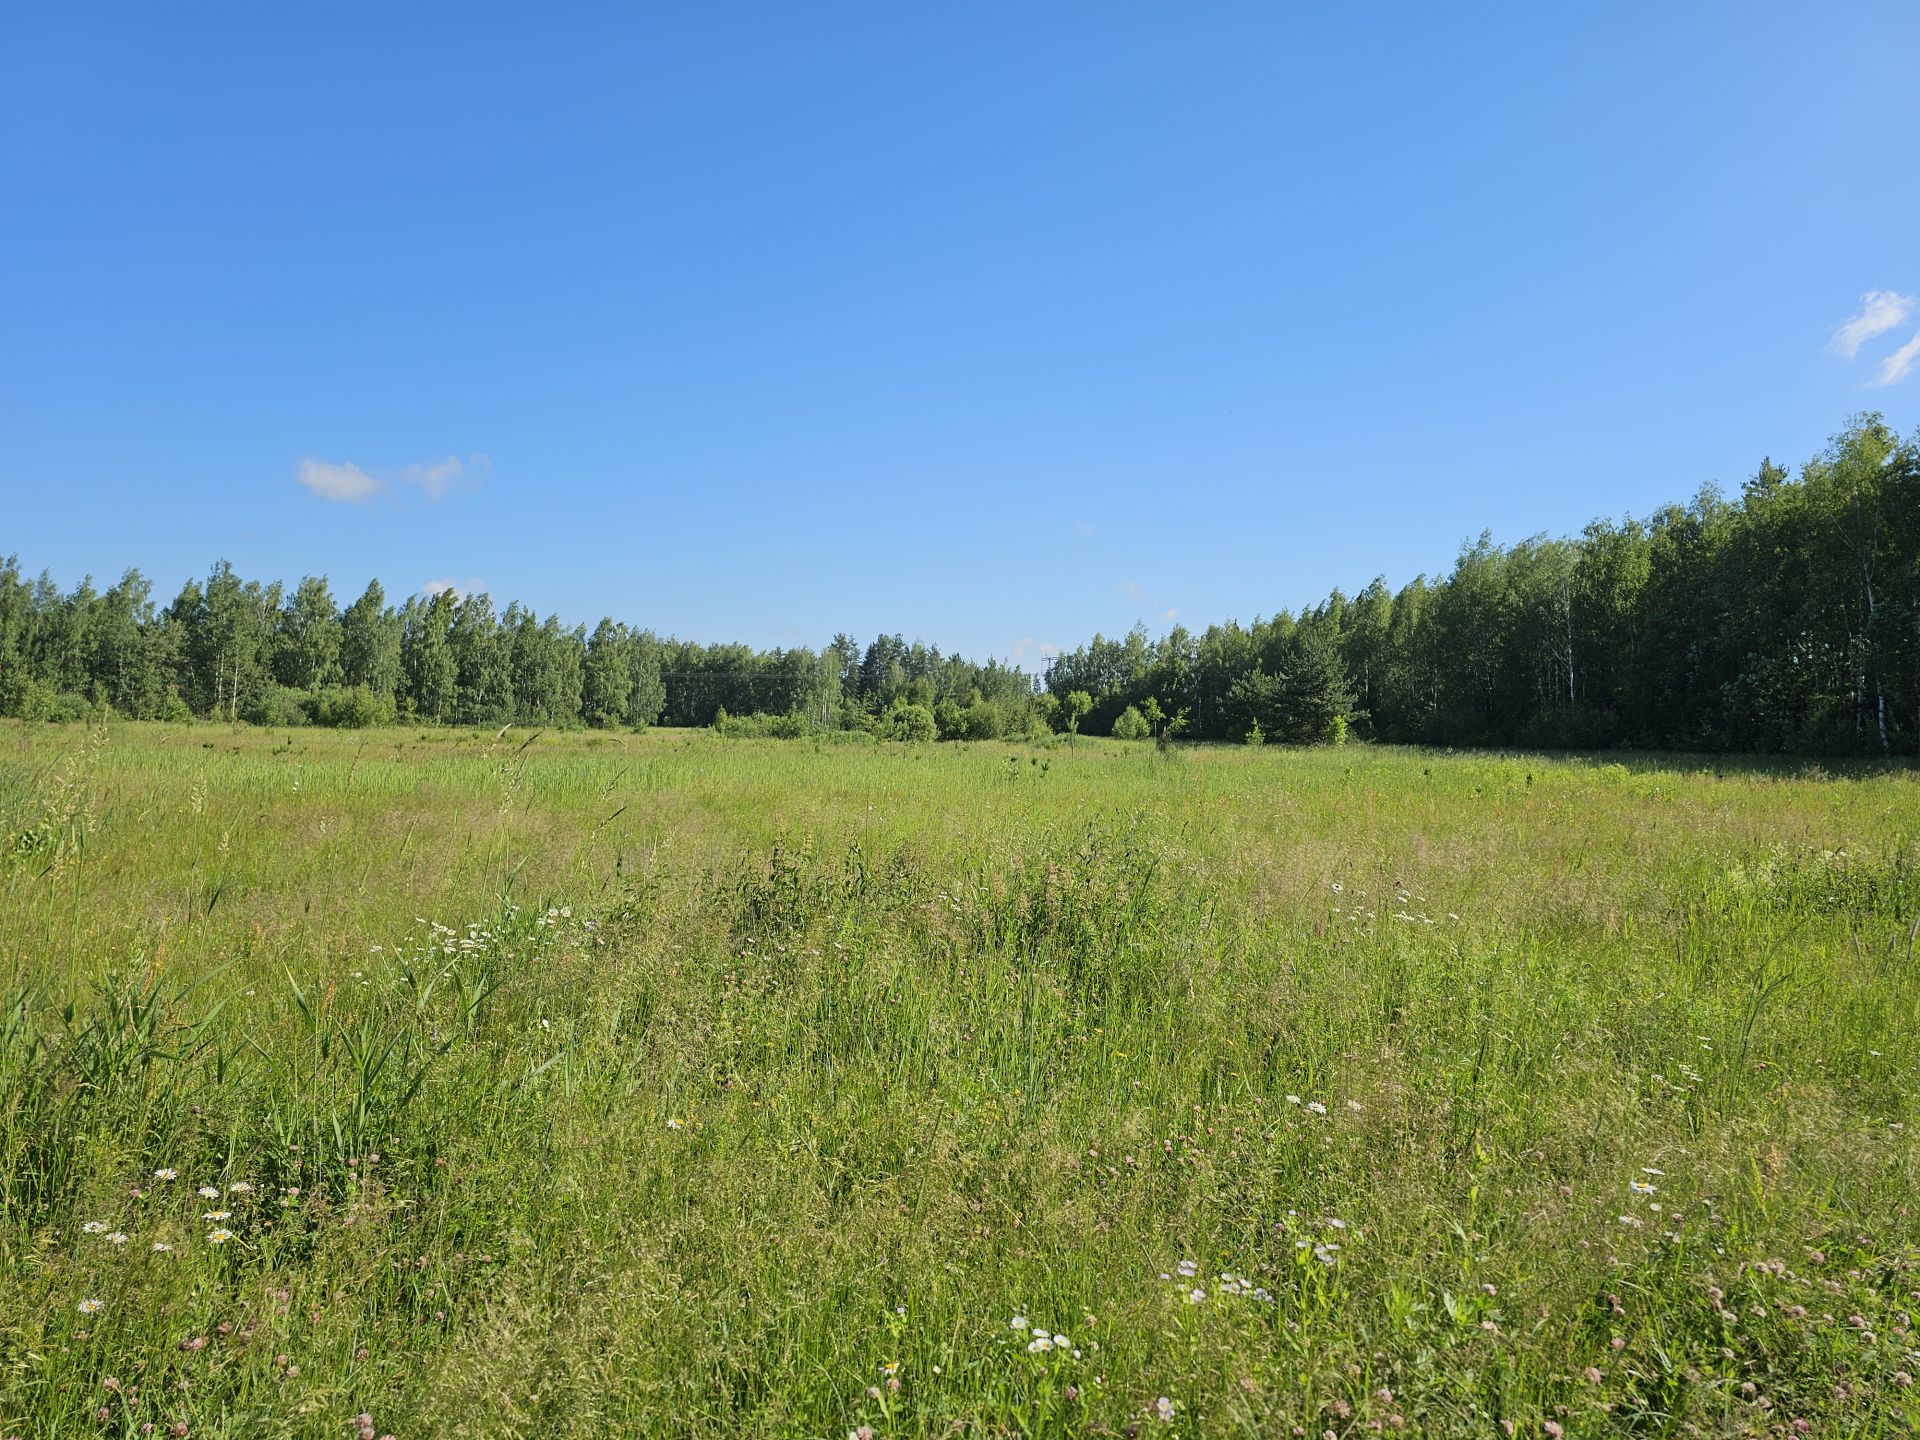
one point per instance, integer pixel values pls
(349, 707)
(1075, 704)
(1130, 724)
(1788, 620)
(277, 705)
(762, 727)
(912, 723)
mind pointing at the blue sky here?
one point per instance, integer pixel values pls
(996, 324)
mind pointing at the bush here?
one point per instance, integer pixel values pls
(350, 707)
(984, 721)
(761, 727)
(950, 719)
(912, 723)
(277, 705)
(28, 698)
(1130, 724)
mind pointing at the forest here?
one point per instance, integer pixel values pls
(1783, 619)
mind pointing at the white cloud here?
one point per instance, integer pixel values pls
(350, 483)
(338, 482)
(1132, 589)
(460, 589)
(1026, 647)
(1167, 617)
(441, 476)
(1880, 311)
(1897, 366)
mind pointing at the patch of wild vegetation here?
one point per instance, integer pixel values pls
(452, 1084)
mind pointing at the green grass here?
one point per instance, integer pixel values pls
(669, 1085)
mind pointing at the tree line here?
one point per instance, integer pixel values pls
(233, 649)
(1786, 618)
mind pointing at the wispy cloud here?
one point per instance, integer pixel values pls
(442, 475)
(346, 482)
(1167, 617)
(1132, 589)
(1897, 366)
(460, 589)
(1880, 311)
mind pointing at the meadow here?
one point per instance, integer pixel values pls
(446, 1083)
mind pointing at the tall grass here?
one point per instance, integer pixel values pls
(672, 1085)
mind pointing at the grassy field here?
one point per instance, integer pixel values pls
(669, 1085)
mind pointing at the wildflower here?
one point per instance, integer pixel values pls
(1163, 1407)
(166, 1173)
(860, 1432)
(219, 1236)
(1019, 1322)
(674, 1122)
(93, 1227)
(208, 1192)
(118, 1237)
(1188, 1268)
(1649, 1170)
(161, 1247)
(1196, 1295)
(1632, 1221)
(1293, 1099)
(216, 1215)
(239, 1187)
(91, 1306)
(1641, 1187)
(1316, 1108)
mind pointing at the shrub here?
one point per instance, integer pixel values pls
(277, 705)
(1130, 724)
(761, 727)
(28, 698)
(350, 707)
(984, 721)
(913, 723)
(950, 719)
